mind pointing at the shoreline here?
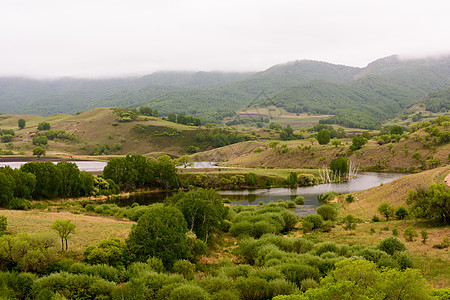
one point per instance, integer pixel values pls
(34, 158)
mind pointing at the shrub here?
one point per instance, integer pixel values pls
(301, 245)
(349, 222)
(391, 245)
(299, 200)
(290, 204)
(290, 220)
(327, 212)
(328, 196)
(189, 292)
(307, 284)
(404, 259)
(281, 286)
(315, 219)
(307, 226)
(395, 232)
(375, 219)
(350, 198)
(401, 213)
(296, 273)
(3, 224)
(327, 247)
(185, 268)
(243, 228)
(424, 234)
(410, 233)
(252, 288)
(386, 210)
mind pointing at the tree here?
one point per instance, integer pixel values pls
(358, 142)
(292, 179)
(7, 186)
(339, 166)
(44, 126)
(202, 209)
(396, 129)
(70, 179)
(40, 140)
(430, 203)
(172, 117)
(64, 228)
(160, 232)
(184, 161)
(48, 179)
(386, 210)
(323, 137)
(21, 123)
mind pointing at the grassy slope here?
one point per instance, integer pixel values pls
(90, 230)
(395, 192)
(434, 263)
(96, 126)
(395, 159)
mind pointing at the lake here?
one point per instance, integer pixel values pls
(363, 181)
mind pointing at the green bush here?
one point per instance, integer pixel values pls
(185, 268)
(301, 245)
(401, 213)
(410, 233)
(3, 224)
(350, 198)
(281, 286)
(315, 219)
(189, 292)
(308, 283)
(327, 212)
(19, 204)
(391, 245)
(404, 259)
(295, 272)
(307, 226)
(328, 196)
(253, 288)
(73, 286)
(326, 247)
(349, 222)
(300, 200)
(243, 228)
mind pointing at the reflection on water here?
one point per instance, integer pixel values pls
(246, 197)
(311, 194)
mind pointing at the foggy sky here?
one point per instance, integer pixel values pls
(106, 38)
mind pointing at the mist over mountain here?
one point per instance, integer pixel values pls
(365, 95)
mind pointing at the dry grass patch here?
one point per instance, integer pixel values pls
(434, 263)
(396, 192)
(90, 230)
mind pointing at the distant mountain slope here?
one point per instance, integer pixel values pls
(214, 103)
(68, 95)
(361, 97)
(438, 101)
(382, 89)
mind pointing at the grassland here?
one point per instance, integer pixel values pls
(395, 192)
(101, 126)
(90, 229)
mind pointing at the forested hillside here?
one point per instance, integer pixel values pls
(438, 101)
(357, 97)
